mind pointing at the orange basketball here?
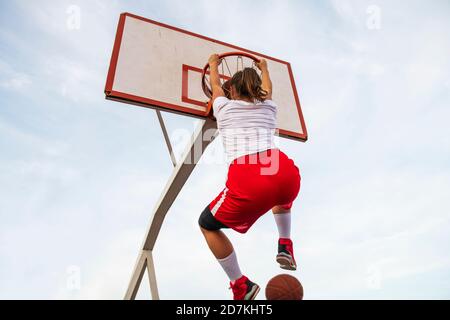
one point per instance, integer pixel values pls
(284, 287)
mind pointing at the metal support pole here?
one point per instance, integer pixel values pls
(136, 279)
(166, 137)
(151, 275)
(180, 174)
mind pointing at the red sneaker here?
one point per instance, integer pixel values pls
(285, 256)
(244, 289)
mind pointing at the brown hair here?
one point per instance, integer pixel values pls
(247, 84)
(226, 87)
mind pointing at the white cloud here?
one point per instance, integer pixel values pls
(74, 79)
(11, 79)
(346, 9)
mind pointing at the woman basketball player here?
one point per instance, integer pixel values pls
(260, 176)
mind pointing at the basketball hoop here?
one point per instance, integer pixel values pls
(243, 60)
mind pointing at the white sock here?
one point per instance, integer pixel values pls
(283, 221)
(231, 267)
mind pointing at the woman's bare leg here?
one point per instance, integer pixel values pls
(280, 210)
(218, 242)
(223, 250)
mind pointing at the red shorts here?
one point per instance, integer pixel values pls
(256, 183)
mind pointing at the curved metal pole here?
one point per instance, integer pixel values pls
(177, 180)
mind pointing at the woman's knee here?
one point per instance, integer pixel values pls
(280, 210)
(208, 222)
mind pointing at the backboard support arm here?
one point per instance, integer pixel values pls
(166, 137)
(181, 172)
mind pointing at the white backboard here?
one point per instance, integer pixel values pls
(160, 66)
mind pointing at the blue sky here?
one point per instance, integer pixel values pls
(80, 175)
